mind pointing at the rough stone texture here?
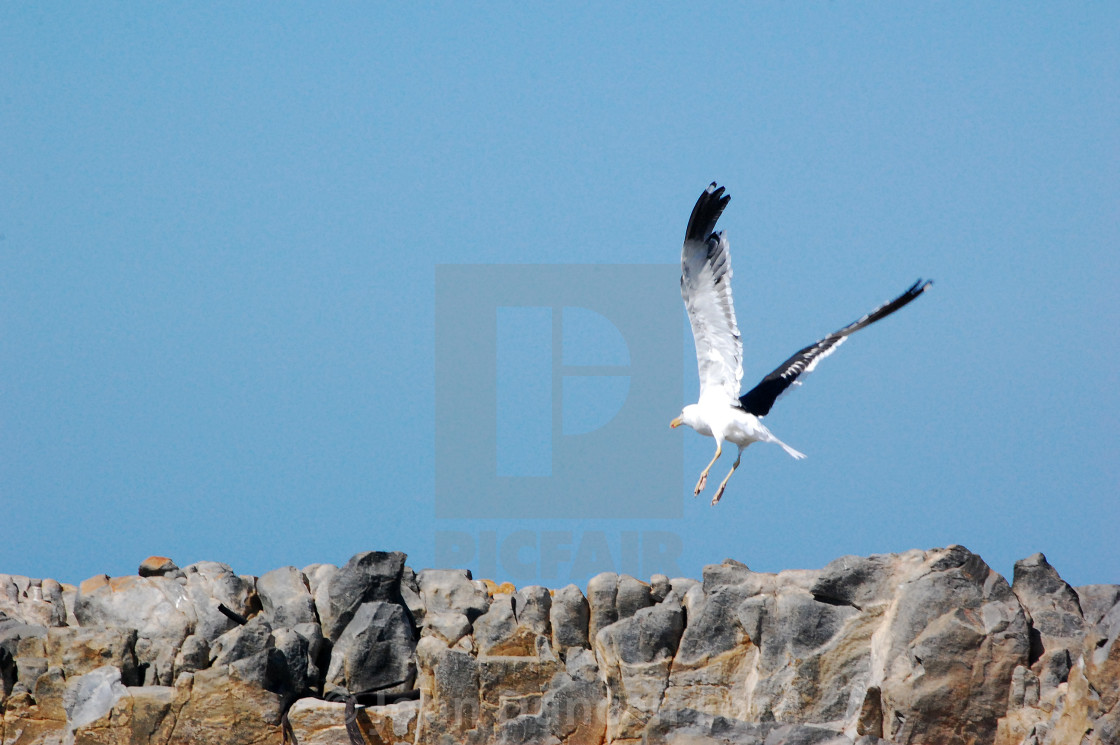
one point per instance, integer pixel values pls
(158, 608)
(12, 634)
(282, 661)
(697, 728)
(452, 591)
(516, 625)
(241, 642)
(636, 655)
(165, 610)
(141, 715)
(410, 594)
(317, 722)
(286, 597)
(91, 696)
(570, 619)
(1084, 709)
(157, 566)
(1057, 623)
(223, 707)
(1097, 600)
(450, 627)
(918, 647)
(193, 655)
(80, 651)
(376, 652)
(32, 601)
(302, 649)
(210, 583)
(602, 592)
(368, 576)
(954, 633)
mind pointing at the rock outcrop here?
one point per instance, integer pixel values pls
(918, 647)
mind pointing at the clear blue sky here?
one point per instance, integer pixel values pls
(220, 226)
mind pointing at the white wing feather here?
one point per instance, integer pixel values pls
(706, 290)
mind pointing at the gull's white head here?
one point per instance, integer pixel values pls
(690, 415)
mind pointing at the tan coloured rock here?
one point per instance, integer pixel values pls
(24, 722)
(156, 566)
(511, 686)
(919, 647)
(951, 638)
(843, 647)
(493, 588)
(87, 586)
(141, 715)
(158, 608)
(48, 692)
(449, 695)
(515, 625)
(1089, 711)
(77, 651)
(317, 722)
(222, 708)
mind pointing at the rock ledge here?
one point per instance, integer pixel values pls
(918, 647)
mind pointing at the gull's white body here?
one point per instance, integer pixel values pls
(716, 418)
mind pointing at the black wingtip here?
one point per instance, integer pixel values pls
(708, 208)
(918, 288)
(887, 308)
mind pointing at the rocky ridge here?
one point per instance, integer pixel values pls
(918, 647)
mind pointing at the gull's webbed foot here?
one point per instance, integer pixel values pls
(700, 484)
(718, 496)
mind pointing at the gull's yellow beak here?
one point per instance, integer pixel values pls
(675, 423)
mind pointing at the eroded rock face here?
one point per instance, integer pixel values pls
(953, 635)
(367, 577)
(317, 722)
(1082, 705)
(376, 652)
(918, 647)
(286, 597)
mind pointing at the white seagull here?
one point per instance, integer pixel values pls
(706, 288)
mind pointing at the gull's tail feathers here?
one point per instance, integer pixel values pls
(795, 454)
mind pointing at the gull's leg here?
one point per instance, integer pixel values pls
(704, 474)
(719, 491)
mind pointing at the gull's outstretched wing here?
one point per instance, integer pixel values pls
(759, 399)
(706, 289)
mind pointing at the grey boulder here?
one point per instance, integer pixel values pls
(368, 577)
(376, 651)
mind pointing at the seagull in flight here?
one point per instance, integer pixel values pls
(721, 412)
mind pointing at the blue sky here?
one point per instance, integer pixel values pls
(219, 232)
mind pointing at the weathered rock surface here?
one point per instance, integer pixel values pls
(376, 652)
(286, 597)
(918, 647)
(368, 576)
(317, 722)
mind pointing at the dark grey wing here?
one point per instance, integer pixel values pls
(759, 399)
(706, 290)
